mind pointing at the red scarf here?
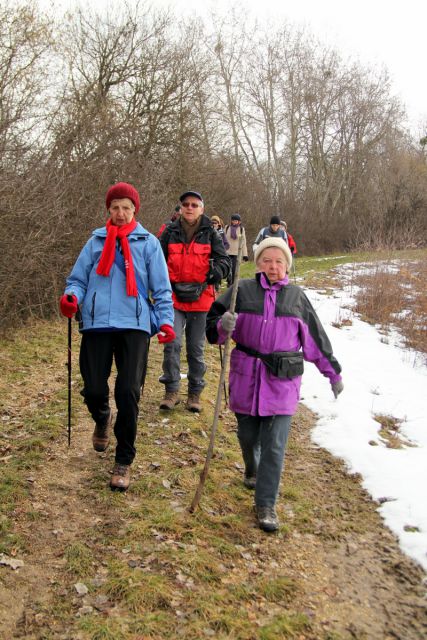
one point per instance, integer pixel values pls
(109, 252)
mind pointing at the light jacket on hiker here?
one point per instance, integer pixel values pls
(267, 232)
(103, 299)
(271, 318)
(193, 261)
(233, 243)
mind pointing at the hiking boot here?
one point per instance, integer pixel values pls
(170, 400)
(193, 403)
(249, 481)
(101, 434)
(267, 518)
(120, 478)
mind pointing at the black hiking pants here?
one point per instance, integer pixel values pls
(232, 273)
(129, 349)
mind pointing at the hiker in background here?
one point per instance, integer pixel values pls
(218, 225)
(110, 282)
(273, 230)
(232, 232)
(291, 242)
(174, 217)
(275, 328)
(196, 261)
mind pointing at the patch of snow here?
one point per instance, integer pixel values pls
(380, 377)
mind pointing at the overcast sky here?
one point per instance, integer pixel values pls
(387, 33)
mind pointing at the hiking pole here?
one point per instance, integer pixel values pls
(70, 299)
(204, 473)
(294, 270)
(225, 384)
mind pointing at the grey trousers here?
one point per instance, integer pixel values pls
(263, 443)
(194, 324)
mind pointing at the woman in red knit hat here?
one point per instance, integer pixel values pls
(120, 266)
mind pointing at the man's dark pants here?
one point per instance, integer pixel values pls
(232, 274)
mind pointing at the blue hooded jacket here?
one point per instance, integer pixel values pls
(103, 300)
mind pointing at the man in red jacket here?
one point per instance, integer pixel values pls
(196, 260)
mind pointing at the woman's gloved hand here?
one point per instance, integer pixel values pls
(337, 387)
(228, 321)
(166, 334)
(68, 305)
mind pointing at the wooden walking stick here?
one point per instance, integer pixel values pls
(225, 358)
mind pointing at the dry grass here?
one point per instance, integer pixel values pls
(394, 296)
(390, 431)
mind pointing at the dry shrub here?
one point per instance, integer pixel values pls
(395, 296)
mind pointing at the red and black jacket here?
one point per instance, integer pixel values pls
(192, 262)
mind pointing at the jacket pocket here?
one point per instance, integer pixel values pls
(196, 264)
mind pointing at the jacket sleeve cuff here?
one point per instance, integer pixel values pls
(70, 291)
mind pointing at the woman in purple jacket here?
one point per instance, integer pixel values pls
(275, 329)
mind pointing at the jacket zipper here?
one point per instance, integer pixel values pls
(92, 311)
(138, 309)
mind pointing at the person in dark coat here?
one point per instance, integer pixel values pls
(218, 225)
(196, 261)
(173, 217)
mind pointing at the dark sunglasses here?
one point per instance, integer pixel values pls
(193, 205)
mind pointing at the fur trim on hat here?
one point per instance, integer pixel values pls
(274, 243)
(122, 190)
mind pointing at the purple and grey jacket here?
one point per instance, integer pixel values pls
(272, 317)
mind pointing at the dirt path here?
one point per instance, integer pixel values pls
(351, 579)
(360, 584)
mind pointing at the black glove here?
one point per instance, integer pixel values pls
(214, 276)
(245, 258)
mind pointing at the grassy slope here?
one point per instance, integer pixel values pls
(153, 570)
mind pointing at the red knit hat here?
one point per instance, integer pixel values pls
(122, 190)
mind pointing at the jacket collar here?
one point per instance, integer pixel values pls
(138, 232)
(266, 284)
(204, 222)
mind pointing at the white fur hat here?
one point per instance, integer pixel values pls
(274, 243)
